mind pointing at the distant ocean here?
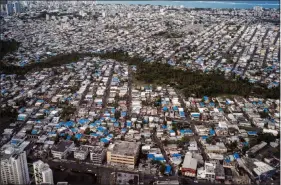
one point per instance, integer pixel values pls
(204, 4)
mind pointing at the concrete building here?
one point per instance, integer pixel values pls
(189, 165)
(62, 149)
(81, 153)
(14, 168)
(97, 154)
(123, 153)
(207, 172)
(42, 173)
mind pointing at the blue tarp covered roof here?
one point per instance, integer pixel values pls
(175, 108)
(69, 123)
(74, 129)
(78, 136)
(104, 140)
(168, 169)
(212, 132)
(252, 133)
(123, 113)
(236, 156)
(165, 108)
(83, 121)
(34, 132)
(116, 124)
(182, 114)
(176, 155)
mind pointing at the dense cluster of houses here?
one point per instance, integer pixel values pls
(206, 40)
(93, 111)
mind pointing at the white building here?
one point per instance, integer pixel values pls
(42, 173)
(14, 168)
(62, 149)
(207, 172)
(81, 153)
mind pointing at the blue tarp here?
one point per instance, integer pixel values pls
(69, 124)
(123, 130)
(165, 108)
(205, 98)
(175, 108)
(104, 140)
(78, 136)
(129, 124)
(168, 169)
(195, 115)
(236, 156)
(150, 156)
(176, 155)
(101, 129)
(212, 132)
(186, 131)
(83, 121)
(68, 137)
(182, 114)
(94, 134)
(116, 124)
(252, 133)
(74, 130)
(34, 132)
(164, 126)
(123, 114)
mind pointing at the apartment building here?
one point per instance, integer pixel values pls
(42, 173)
(14, 168)
(62, 149)
(123, 153)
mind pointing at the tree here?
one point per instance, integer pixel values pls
(162, 168)
(209, 140)
(245, 149)
(185, 139)
(87, 131)
(266, 137)
(131, 181)
(117, 114)
(56, 139)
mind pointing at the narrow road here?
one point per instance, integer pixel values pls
(107, 91)
(239, 56)
(249, 61)
(129, 100)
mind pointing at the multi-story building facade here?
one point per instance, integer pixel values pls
(123, 153)
(42, 173)
(14, 168)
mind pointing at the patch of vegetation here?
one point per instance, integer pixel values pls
(189, 82)
(7, 47)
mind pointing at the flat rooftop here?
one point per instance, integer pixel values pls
(125, 148)
(62, 146)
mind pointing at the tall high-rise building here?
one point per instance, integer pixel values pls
(10, 8)
(14, 168)
(42, 173)
(17, 7)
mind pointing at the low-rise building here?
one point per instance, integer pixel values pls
(62, 149)
(189, 165)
